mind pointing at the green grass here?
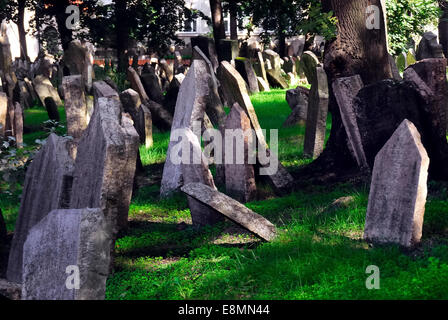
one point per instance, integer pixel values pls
(319, 253)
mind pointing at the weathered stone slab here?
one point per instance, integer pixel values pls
(25, 97)
(235, 90)
(169, 102)
(429, 47)
(5, 54)
(75, 105)
(136, 83)
(3, 113)
(393, 66)
(309, 63)
(296, 47)
(78, 60)
(161, 117)
(298, 100)
(18, 124)
(316, 122)
(214, 107)
(398, 191)
(101, 89)
(44, 89)
(197, 171)
(228, 49)
(259, 67)
(274, 58)
(10, 290)
(145, 126)
(262, 85)
(47, 186)
(61, 241)
(190, 108)
(276, 79)
(244, 67)
(168, 69)
(31, 90)
(207, 46)
(232, 209)
(152, 87)
(239, 175)
(345, 91)
(105, 164)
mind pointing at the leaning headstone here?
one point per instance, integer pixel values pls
(77, 60)
(400, 62)
(262, 85)
(145, 126)
(5, 54)
(235, 90)
(232, 209)
(167, 69)
(345, 91)
(3, 113)
(105, 164)
(316, 122)
(101, 89)
(197, 171)
(44, 89)
(309, 63)
(136, 83)
(246, 70)
(152, 87)
(259, 67)
(398, 190)
(65, 242)
(25, 97)
(30, 88)
(274, 58)
(228, 49)
(239, 175)
(190, 108)
(429, 47)
(18, 124)
(169, 102)
(47, 186)
(207, 46)
(393, 66)
(298, 100)
(75, 106)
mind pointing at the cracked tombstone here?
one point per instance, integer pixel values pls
(235, 90)
(75, 106)
(232, 209)
(345, 91)
(240, 156)
(47, 186)
(190, 109)
(62, 244)
(195, 170)
(316, 122)
(398, 190)
(105, 164)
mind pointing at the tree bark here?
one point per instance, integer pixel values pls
(21, 28)
(355, 50)
(443, 26)
(65, 33)
(219, 31)
(233, 20)
(122, 34)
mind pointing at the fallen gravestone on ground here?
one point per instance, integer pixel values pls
(345, 91)
(316, 122)
(64, 243)
(47, 186)
(398, 190)
(231, 209)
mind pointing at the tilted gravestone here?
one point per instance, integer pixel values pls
(207, 46)
(298, 100)
(244, 67)
(77, 60)
(169, 102)
(75, 106)
(345, 91)
(152, 87)
(239, 175)
(228, 49)
(398, 190)
(316, 122)
(101, 89)
(47, 186)
(309, 63)
(429, 47)
(63, 246)
(44, 89)
(259, 67)
(394, 68)
(197, 171)
(274, 72)
(105, 164)
(235, 90)
(232, 209)
(18, 124)
(190, 108)
(262, 85)
(5, 54)
(145, 126)
(136, 83)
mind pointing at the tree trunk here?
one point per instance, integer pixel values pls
(219, 31)
(281, 41)
(65, 33)
(233, 20)
(356, 50)
(21, 28)
(122, 35)
(443, 26)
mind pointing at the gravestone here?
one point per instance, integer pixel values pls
(393, 66)
(316, 122)
(63, 239)
(3, 113)
(274, 59)
(47, 186)
(207, 46)
(246, 70)
(401, 62)
(198, 172)
(105, 164)
(234, 89)
(429, 47)
(136, 83)
(232, 209)
(167, 69)
(398, 190)
(259, 67)
(75, 105)
(169, 102)
(309, 63)
(289, 66)
(240, 176)
(345, 91)
(101, 89)
(52, 109)
(152, 87)
(190, 108)
(5, 54)
(44, 89)
(298, 100)
(296, 47)
(77, 60)
(18, 124)
(262, 85)
(145, 126)
(276, 79)
(25, 97)
(31, 90)
(228, 49)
